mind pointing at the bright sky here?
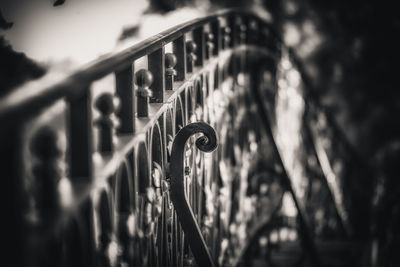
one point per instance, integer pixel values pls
(82, 28)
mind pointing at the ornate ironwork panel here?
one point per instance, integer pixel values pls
(106, 166)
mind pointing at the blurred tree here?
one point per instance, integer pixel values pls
(350, 51)
(355, 65)
(16, 68)
(4, 24)
(59, 2)
(163, 6)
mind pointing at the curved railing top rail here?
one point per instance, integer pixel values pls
(28, 100)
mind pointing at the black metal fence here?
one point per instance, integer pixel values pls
(105, 167)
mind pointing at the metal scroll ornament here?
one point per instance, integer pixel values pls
(206, 143)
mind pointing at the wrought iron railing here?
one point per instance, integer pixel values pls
(105, 167)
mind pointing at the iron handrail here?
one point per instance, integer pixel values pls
(148, 119)
(160, 107)
(21, 101)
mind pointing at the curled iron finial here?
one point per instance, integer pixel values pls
(206, 143)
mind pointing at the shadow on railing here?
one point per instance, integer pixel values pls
(101, 170)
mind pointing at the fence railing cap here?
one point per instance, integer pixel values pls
(33, 96)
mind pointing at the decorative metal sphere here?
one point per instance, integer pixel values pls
(227, 30)
(105, 104)
(191, 46)
(44, 144)
(170, 60)
(253, 25)
(143, 78)
(209, 36)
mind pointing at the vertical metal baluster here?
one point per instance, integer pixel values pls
(177, 236)
(233, 69)
(168, 214)
(182, 247)
(80, 137)
(199, 39)
(106, 105)
(217, 76)
(191, 56)
(249, 33)
(260, 32)
(163, 190)
(200, 194)
(158, 214)
(46, 172)
(170, 72)
(123, 198)
(253, 33)
(216, 31)
(86, 214)
(106, 227)
(242, 30)
(124, 90)
(157, 68)
(265, 36)
(209, 37)
(179, 50)
(143, 79)
(242, 40)
(174, 239)
(218, 45)
(14, 192)
(164, 259)
(226, 37)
